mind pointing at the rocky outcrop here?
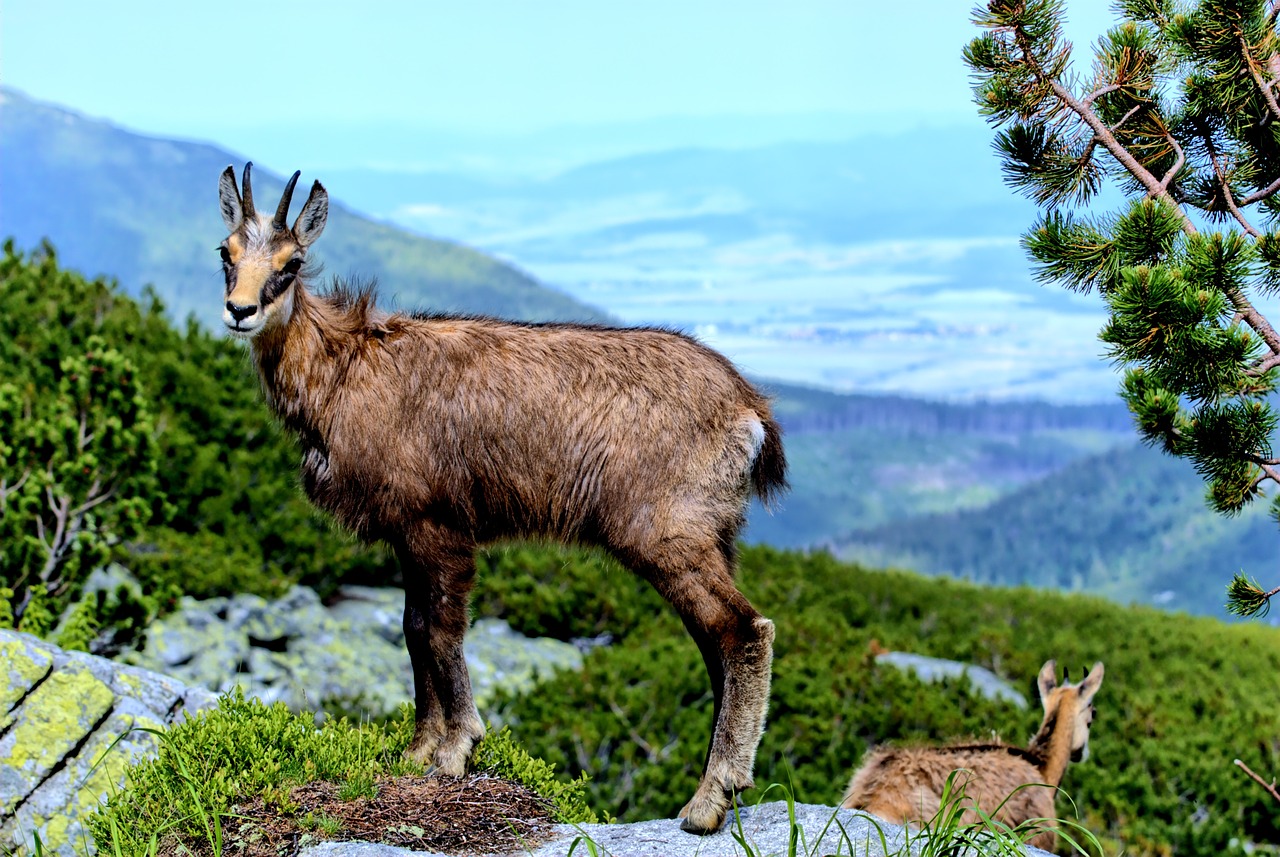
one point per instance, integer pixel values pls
(983, 680)
(70, 726)
(765, 829)
(352, 654)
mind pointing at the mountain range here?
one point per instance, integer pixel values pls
(1009, 491)
(144, 211)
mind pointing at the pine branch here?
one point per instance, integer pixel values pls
(1177, 165)
(1258, 196)
(1263, 86)
(1125, 118)
(1088, 100)
(1270, 787)
(1155, 188)
(1225, 185)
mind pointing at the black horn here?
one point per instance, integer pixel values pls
(283, 211)
(246, 196)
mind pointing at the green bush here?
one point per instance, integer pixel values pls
(1181, 700)
(243, 749)
(205, 499)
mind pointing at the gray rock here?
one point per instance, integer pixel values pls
(765, 828)
(71, 726)
(295, 651)
(983, 680)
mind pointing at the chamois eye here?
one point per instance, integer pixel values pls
(292, 267)
(225, 254)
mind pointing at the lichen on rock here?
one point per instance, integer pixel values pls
(72, 726)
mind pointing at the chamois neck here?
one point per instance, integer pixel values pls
(1052, 744)
(297, 360)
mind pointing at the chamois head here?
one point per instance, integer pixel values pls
(1072, 701)
(262, 256)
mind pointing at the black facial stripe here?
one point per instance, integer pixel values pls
(275, 286)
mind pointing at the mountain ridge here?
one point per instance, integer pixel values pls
(143, 209)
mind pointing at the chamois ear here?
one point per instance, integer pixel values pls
(311, 220)
(1047, 680)
(1091, 683)
(229, 200)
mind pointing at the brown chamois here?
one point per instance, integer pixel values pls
(439, 433)
(905, 784)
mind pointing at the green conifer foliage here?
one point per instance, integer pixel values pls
(36, 618)
(1180, 112)
(80, 626)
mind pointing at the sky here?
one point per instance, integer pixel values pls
(250, 75)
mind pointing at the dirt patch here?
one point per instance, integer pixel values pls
(476, 814)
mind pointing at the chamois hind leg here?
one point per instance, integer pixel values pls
(438, 580)
(737, 647)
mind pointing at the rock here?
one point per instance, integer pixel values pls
(983, 680)
(62, 713)
(766, 829)
(295, 651)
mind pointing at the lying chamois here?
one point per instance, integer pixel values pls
(439, 433)
(905, 784)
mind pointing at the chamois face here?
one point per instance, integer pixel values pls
(262, 256)
(1071, 700)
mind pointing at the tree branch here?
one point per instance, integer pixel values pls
(1271, 787)
(1177, 165)
(93, 501)
(1259, 195)
(1227, 195)
(1087, 101)
(6, 489)
(1155, 188)
(1263, 365)
(1125, 118)
(1263, 87)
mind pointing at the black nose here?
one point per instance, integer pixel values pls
(240, 313)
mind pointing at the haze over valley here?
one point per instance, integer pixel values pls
(931, 392)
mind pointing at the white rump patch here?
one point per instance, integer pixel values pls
(755, 430)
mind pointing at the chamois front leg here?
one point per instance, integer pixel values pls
(428, 727)
(438, 580)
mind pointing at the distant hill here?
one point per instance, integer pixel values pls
(1130, 524)
(143, 210)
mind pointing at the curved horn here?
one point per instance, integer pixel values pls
(283, 211)
(246, 197)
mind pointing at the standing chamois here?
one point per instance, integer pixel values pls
(1010, 784)
(438, 433)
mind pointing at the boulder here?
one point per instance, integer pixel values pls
(351, 656)
(984, 681)
(70, 727)
(764, 829)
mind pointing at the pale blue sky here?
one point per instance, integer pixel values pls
(231, 72)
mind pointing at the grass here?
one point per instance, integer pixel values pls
(205, 764)
(946, 834)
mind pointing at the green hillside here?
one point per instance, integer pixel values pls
(144, 210)
(1183, 697)
(1130, 524)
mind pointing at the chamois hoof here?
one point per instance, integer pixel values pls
(705, 813)
(424, 754)
(453, 754)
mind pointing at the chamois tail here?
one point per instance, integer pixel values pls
(769, 470)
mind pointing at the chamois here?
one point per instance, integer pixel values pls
(439, 433)
(905, 784)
